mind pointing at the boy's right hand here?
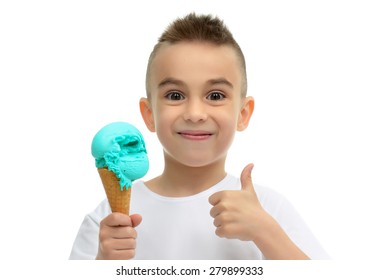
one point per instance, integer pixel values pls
(117, 236)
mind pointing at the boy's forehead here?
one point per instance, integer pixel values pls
(198, 48)
(185, 58)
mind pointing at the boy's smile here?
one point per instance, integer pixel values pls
(195, 103)
(195, 134)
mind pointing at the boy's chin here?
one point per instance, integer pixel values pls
(198, 162)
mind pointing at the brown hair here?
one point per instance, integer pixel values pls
(199, 28)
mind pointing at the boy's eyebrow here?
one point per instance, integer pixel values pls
(220, 81)
(170, 81)
(176, 82)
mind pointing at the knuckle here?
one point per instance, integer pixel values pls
(130, 232)
(106, 244)
(222, 218)
(227, 195)
(132, 244)
(223, 206)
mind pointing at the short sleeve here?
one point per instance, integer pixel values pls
(292, 223)
(85, 246)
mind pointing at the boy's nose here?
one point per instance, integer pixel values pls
(195, 111)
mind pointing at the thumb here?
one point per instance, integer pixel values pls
(136, 219)
(246, 178)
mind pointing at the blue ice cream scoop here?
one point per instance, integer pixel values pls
(120, 147)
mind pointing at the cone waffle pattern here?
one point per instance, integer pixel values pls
(119, 200)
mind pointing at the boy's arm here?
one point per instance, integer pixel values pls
(239, 214)
(275, 244)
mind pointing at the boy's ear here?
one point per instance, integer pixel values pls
(245, 113)
(146, 111)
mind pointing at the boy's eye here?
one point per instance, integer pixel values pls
(174, 95)
(216, 95)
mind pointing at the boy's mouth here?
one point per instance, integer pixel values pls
(195, 134)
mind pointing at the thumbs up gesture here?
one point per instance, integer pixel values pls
(238, 214)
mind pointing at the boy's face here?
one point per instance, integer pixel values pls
(195, 103)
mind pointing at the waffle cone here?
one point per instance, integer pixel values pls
(119, 200)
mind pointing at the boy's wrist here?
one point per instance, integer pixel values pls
(266, 229)
(274, 243)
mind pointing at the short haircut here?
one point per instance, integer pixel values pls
(201, 28)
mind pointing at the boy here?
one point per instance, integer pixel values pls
(196, 99)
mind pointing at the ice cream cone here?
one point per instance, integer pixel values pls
(119, 200)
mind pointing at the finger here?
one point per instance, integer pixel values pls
(122, 232)
(246, 178)
(122, 254)
(125, 244)
(117, 219)
(118, 250)
(216, 210)
(136, 219)
(215, 198)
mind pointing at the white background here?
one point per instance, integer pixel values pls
(69, 67)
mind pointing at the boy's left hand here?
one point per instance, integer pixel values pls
(238, 214)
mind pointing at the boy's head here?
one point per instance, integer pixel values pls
(200, 28)
(196, 89)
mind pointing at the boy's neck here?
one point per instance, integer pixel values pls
(179, 180)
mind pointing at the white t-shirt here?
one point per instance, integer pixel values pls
(182, 228)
